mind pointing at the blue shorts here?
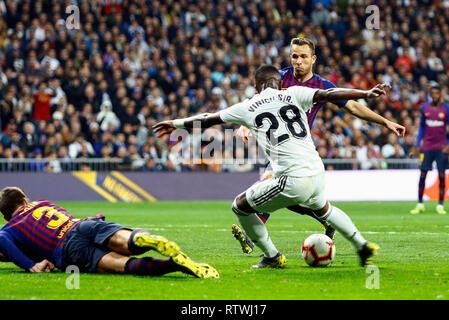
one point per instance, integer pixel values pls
(84, 244)
(428, 157)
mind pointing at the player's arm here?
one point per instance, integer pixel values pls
(357, 109)
(205, 120)
(15, 255)
(340, 94)
(360, 111)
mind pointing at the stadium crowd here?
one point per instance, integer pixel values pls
(94, 91)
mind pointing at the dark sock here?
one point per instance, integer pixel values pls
(263, 216)
(422, 184)
(135, 250)
(442, 187)
(148, 266)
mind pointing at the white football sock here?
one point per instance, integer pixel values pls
(258, 233)
(343, 224)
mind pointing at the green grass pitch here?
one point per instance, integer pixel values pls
(413, 262)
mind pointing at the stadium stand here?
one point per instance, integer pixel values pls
(71, 96)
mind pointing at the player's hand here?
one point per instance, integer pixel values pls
(378, 90)
(396, 128)
(243, 133)
(446, 149)
(267, 175)
(163, 128)
(43, 266)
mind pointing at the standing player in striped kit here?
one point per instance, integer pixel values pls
(41, 235)
(432, 134)
(302, 54)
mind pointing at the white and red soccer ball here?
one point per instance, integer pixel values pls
(318, 250)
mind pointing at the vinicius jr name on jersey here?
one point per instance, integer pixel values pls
(261, 102)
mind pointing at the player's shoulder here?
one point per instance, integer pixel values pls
(425, 105)
(285, 71)
(326, 84)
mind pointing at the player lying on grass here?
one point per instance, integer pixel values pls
(278, 121)
(40, 236)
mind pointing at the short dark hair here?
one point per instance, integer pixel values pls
(304, 42)
(267, 76)
(266, 71)
(10, 199)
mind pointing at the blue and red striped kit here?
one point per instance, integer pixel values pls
(36, 232)
(289, 80)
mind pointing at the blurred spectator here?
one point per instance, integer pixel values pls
(42, 103)
(97, 91)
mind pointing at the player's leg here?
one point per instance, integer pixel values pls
(426, 160)
(255, 228)
(114, 262)
(442, 189)
(245, 241)
(268, 174)
(90, 246)
(239, 232)
(267, 196)
(258, 233)
(338, 219)
(139, 241)
(344, 225)
(441, 165)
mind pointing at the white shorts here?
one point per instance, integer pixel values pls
(284, 191)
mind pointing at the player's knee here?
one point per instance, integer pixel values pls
(238, 208)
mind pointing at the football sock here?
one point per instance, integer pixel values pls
(422, 184)
(135, 250)
(148, 266)
(442, 186)
(343, 224)
(258, 233)
(263, 216)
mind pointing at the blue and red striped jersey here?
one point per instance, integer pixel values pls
(289, 80)
(36, 232)
(432, 127)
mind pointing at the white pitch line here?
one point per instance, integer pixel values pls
(188, 228)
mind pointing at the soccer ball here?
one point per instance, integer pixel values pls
(318, 250)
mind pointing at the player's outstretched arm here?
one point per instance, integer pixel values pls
(357, 109)
(341, 94)
(14, 254)
(360, 111)
(206, 120)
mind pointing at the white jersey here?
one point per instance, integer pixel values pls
(278, 120)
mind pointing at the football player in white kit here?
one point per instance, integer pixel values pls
(277, 119)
